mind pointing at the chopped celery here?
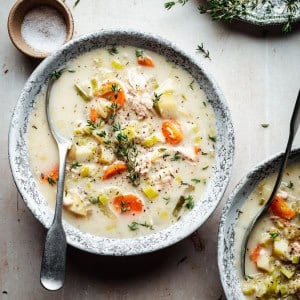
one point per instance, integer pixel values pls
(288, 271)
(84, 171)
(151, 141)
(116, 64)
(150, 192)
(83, 91)
(296, 259)
(94, 83)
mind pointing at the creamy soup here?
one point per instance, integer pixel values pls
(143, 139)
(273, 255)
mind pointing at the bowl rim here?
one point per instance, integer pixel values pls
(33, 53)
(143, 244)
(258, 168)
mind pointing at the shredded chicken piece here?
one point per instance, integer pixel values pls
(144, 162)
(142, 105)
(295, 248)
(162, 178)
(187, 153)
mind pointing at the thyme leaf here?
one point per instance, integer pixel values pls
(75, 165)
(170, 4)
(201, 49)
(113, 50)
(76, 3)
(156, 98)
(134, 225)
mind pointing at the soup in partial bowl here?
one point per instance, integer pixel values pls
(152, 143)
(273, 254)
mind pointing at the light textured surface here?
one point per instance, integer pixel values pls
(258, 71)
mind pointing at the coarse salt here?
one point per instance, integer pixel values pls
(44, 29)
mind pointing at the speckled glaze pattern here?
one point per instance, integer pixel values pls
(19, 160)
(266, 14)
(229, 218)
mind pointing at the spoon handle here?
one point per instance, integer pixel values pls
(294, 125)
(54, 257)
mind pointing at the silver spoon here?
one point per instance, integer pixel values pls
(294, 124)
(54, 257)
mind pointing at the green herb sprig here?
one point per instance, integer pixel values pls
(170, 4)
(135, 226)
(201, 49)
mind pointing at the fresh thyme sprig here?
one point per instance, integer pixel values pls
(156, 98)
(201, 49)
(170, 4)
(56, 74)
(126, 150)
(134, 226)
(76, 3)
(292, 6)
(113, 50)
(139, 53)
(233, 9)
(227, 10)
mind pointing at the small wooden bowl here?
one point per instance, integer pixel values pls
(17, 14)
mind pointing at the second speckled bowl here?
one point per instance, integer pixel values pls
(19, 160)
(229, 268)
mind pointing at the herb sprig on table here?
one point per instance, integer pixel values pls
(228, 10)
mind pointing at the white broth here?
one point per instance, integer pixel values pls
(143, 139)
(272, 260)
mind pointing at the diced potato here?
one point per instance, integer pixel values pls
(77, 205)
(167, 106)
(281, 247)
(103, 108)
(84, 90)
(265, 239)
(105, 155)
(263, 262)
(84, 153)
(248, 288)
(150, 192)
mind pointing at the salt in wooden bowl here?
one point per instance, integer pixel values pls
(20, 10)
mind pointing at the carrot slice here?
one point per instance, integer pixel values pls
(172, 132)
(145, 61)
(113, 92)
(114, 170)
(93, 115)
(51, 177)
(128, 203)
(255, 254)
(281, 209)
(197, 150)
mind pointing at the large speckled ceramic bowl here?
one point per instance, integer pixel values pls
(229, 268)
(19, 160)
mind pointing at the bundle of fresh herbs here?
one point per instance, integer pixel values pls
(234, 9)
